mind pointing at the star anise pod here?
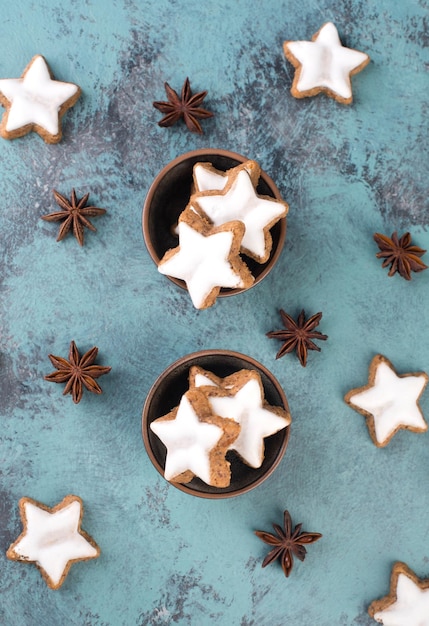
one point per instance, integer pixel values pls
(400, 254)
(77, 372)
(287, 543)
(74, 213)
(186, 106)
(298, 335)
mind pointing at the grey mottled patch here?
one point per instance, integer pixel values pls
(259, 591)
(186, 599)
(9, 519)
(10, 529)
(87, 618)
(154, 506)
(11, 387)
(363, 619)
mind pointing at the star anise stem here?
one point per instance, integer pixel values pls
(77, 372)
(186, 106)
(74, 215)
(400, 254)
(298, 335)
(286, 543)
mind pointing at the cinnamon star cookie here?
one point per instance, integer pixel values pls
(207, 258)
(324, 65)
(407, 603)
(196, 441)
(35, 102)
(389, 401)
(52, 538)
(238, 200)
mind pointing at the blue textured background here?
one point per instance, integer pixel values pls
(168, 558)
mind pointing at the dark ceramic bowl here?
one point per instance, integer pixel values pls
(165, 394)
(169, 194)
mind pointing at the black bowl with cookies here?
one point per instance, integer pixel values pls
(216, 424)
(222, 198)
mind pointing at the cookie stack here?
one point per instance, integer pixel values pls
(224, 219)
(214, 416)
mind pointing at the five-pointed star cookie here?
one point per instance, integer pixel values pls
(324, 65)
(389, 401)
(52, 538)
(239, 201)
(199, 377)
(407, 603)
(206, 258)
(196, 441)
(35, 102)
(208, 178)
(245, 404)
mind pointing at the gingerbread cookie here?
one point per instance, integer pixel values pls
(239, 201)
(199, 377)
(52, 538)
(241, 398)
(389, 401)
(407, 603)
(35, 102)
(196, 441)
(208, 178)
(323, 65)
(207, 258)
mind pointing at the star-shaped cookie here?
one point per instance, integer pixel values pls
(239, 201)
(52, 538)
(407, 603)
(389, 401)
(199, 377)
(208, 178)
(245, 403)
(324, 65)
(207, 258)
(35, 102)
(196, 441)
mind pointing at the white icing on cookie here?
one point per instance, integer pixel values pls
(202, 380)
(239, 201)
(411, 607)
(53, 539)
(206, 178)
(391, 400)
(324, 63)
(204, 261)
(36, 99)
(188, 442)
(257, 421)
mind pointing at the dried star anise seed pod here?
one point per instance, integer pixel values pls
(286, 543)
(186, 106)
(400, 254)
(74, 213)
(77, 372)
(298, 335)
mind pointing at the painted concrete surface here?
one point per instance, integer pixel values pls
(347, 172)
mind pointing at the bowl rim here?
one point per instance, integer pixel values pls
(183, 361)
(274, 256)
